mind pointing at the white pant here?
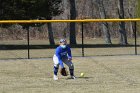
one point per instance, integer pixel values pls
(66, 61)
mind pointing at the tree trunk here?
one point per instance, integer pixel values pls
(123, 35)
(72, 24)
(138, 16)
(50, 34)
(106, 33)
(105, 27)
(131, 15)
(132, 25)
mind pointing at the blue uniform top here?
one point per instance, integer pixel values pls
(62, 53)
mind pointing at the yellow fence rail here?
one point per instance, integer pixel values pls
(78, 21)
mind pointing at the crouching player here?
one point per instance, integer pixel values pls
(63, 55)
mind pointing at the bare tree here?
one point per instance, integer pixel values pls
(72, 24)
(131, 14)
(105, 26)
(123, 34)
(50, 34)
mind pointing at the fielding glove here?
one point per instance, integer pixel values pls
(63, 72)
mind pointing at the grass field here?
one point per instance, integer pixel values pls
(107, 70)
(77, 52)
(103, 74)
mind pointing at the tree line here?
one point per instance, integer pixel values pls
(74, 9)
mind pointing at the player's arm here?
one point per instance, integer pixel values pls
(59, 57)
(69, 53)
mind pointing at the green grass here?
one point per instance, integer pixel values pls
(103, 74)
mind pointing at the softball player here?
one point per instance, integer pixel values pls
(63, 55)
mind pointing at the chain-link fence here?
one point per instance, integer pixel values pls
(93, 38)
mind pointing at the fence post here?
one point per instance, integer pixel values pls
(82, 27)
(28, 40)
(135, 32)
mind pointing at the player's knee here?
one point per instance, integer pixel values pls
(56, 65)
(71, 66)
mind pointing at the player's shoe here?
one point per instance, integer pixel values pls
(73, 77)
(55, 77)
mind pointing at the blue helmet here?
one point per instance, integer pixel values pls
(62, 40)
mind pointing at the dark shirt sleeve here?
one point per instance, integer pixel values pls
(69, 53)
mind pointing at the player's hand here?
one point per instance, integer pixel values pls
(69, 59)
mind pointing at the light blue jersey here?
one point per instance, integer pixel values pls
(63, 53)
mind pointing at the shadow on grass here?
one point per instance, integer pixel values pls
(80, 78)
